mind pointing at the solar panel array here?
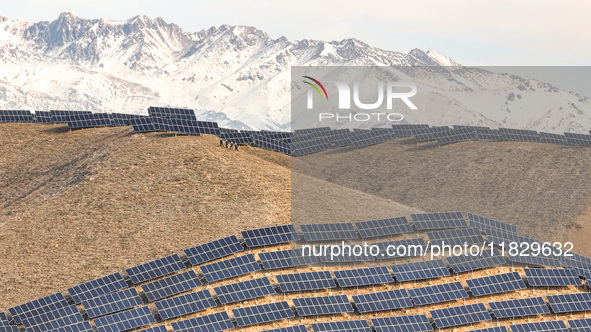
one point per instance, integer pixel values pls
(76, 327)
(548, 326)
(342, 326)
(97, 287)
(329, 232)
(172, 285)
(322, 305)
(484, 224)
(437, 293)
(381, 301)
(440, 220)
(219, 321)
(229, 268)
(305, 281)
(155, 269)
(244, 290)
(519, 307)
(580, 325)
(486, 259)
(262, 313)
(37, 307)
(552, 277)
(125, 320)
(420, 270)
(401, 248)
(494, 284)
(16, 116)
(453, 237)
(363, 277)
(109, 303)
(492, 329)
(383, 227)
(296, 328)
(569, 302)
(412, 323)
(286, 258)
(213, 250)
(185, 304)
(53, 319)
(460, 315)
(270, 235)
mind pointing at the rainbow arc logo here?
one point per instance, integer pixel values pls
(316, 86)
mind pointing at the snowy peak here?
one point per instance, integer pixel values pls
(433, 58)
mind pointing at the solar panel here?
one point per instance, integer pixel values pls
(83, 120)
(411, 323)
(484, 224)
(499, 237)
(465, 263)
(269, 235)
(365, 138)
(3, 319)
(548, 326)
(110, 303)
(240, 138)
(381, 301)
(312, 131)
(171, 112)
(244, 290)
(534, 260)
(492, 329)
(213, 250)
(77, 327)
(342, 326)
(401, 248)
(302, 148)
(16, 116)
(437, 293)
(578, 139)
(420, 270)
(304, 281)
(363, 277)
(329, 232)
(498, 283)
(229, 268)
(322, 305)
(346, 257)
(218, 321)
(440, 220)
(570, 302)
(159, 328)
(142, 124)
(383, 227)
(488, 134)
(172, 285)
(456, 135)
(155, 269)
(97, 287)
(9, 328)
(428, 134)
(271, 144)
(581, 264)
(43, 117)
(286, 258)
(580, 325)
(453, 237)
(553, 139)
(193, 127)
(263, 313)
(50, 320)
(519, 307)
(125, 320)
(552, 277)
(297, 328)
(460, 315)
(37, 307)
(185, 304)
(519, 135)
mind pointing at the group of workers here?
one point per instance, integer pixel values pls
(230, 145)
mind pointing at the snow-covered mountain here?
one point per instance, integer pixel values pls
(235, 75)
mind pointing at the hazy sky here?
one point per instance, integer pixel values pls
(472, 32)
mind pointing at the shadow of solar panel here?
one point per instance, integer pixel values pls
(16, 116)
(172, 285)
(453, 237)
(125, 320)
(263, 313)
(159, 328)
(519, 307)
(401, 248)
(363, 277)
(270, 235)
(488, 134)
(171, 112)
(460, 315)
(43, 117)
(268, 143)
(37, 307)
(492, 329)
(305, 281)
(465, 263)
(456, 135)
(229, 268)
(440, 220)
(381, 301)
(328, 232)
(342, 326)
(420, 270)
(570, 302)
(218, 321)
(97, 287)
(484, 224)
(411, 323)
(552, 277)
(553, 139)
(244, 290)
(519, 135)
(297, 328)
(383, 227)
(185, 304)
(155, 269)
(498, 283)
(549, 326)
(322, 305)
(110, 303)
(580, 325)
(578, 139)
(437, 293)
(49, 320)
(142, 124)
(213, 250)
(286, 258)
(77, 327)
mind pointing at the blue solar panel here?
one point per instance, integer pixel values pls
(401, 248)
(172, 285)
(519, 307)
(346, 257)
(581, 264)
(363, 277)
(552, 277)
(297, 328)
(380, 301)
(383, 227)
(465, 263)
(16, 116)
(171, 112)
(420, 270)
(244, 290)
(125, 320)
(3, 319)
(213, 250)
(534, 260)
(570, 302)
(229, 268)
(43, 117)
(269, 235)
(97, 287)
(185, 304)
(441, 220)
(155, 269)
(329, 232)
(304, 281)
(268, 143)
(453, 237)
(498, 283)
(37, 307)
(263, 313)
(78, 327)
(216, 322)
(159, 328)
(492, 329)
(460, 315)
(322, 305)
(109, 303)
(54, 319)
(484, 224)
(437, 293)
(412, 323)
(342, 326)
(580, 325)
(9, 328)
(286, 258)
(142, 124)
(550, 326)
